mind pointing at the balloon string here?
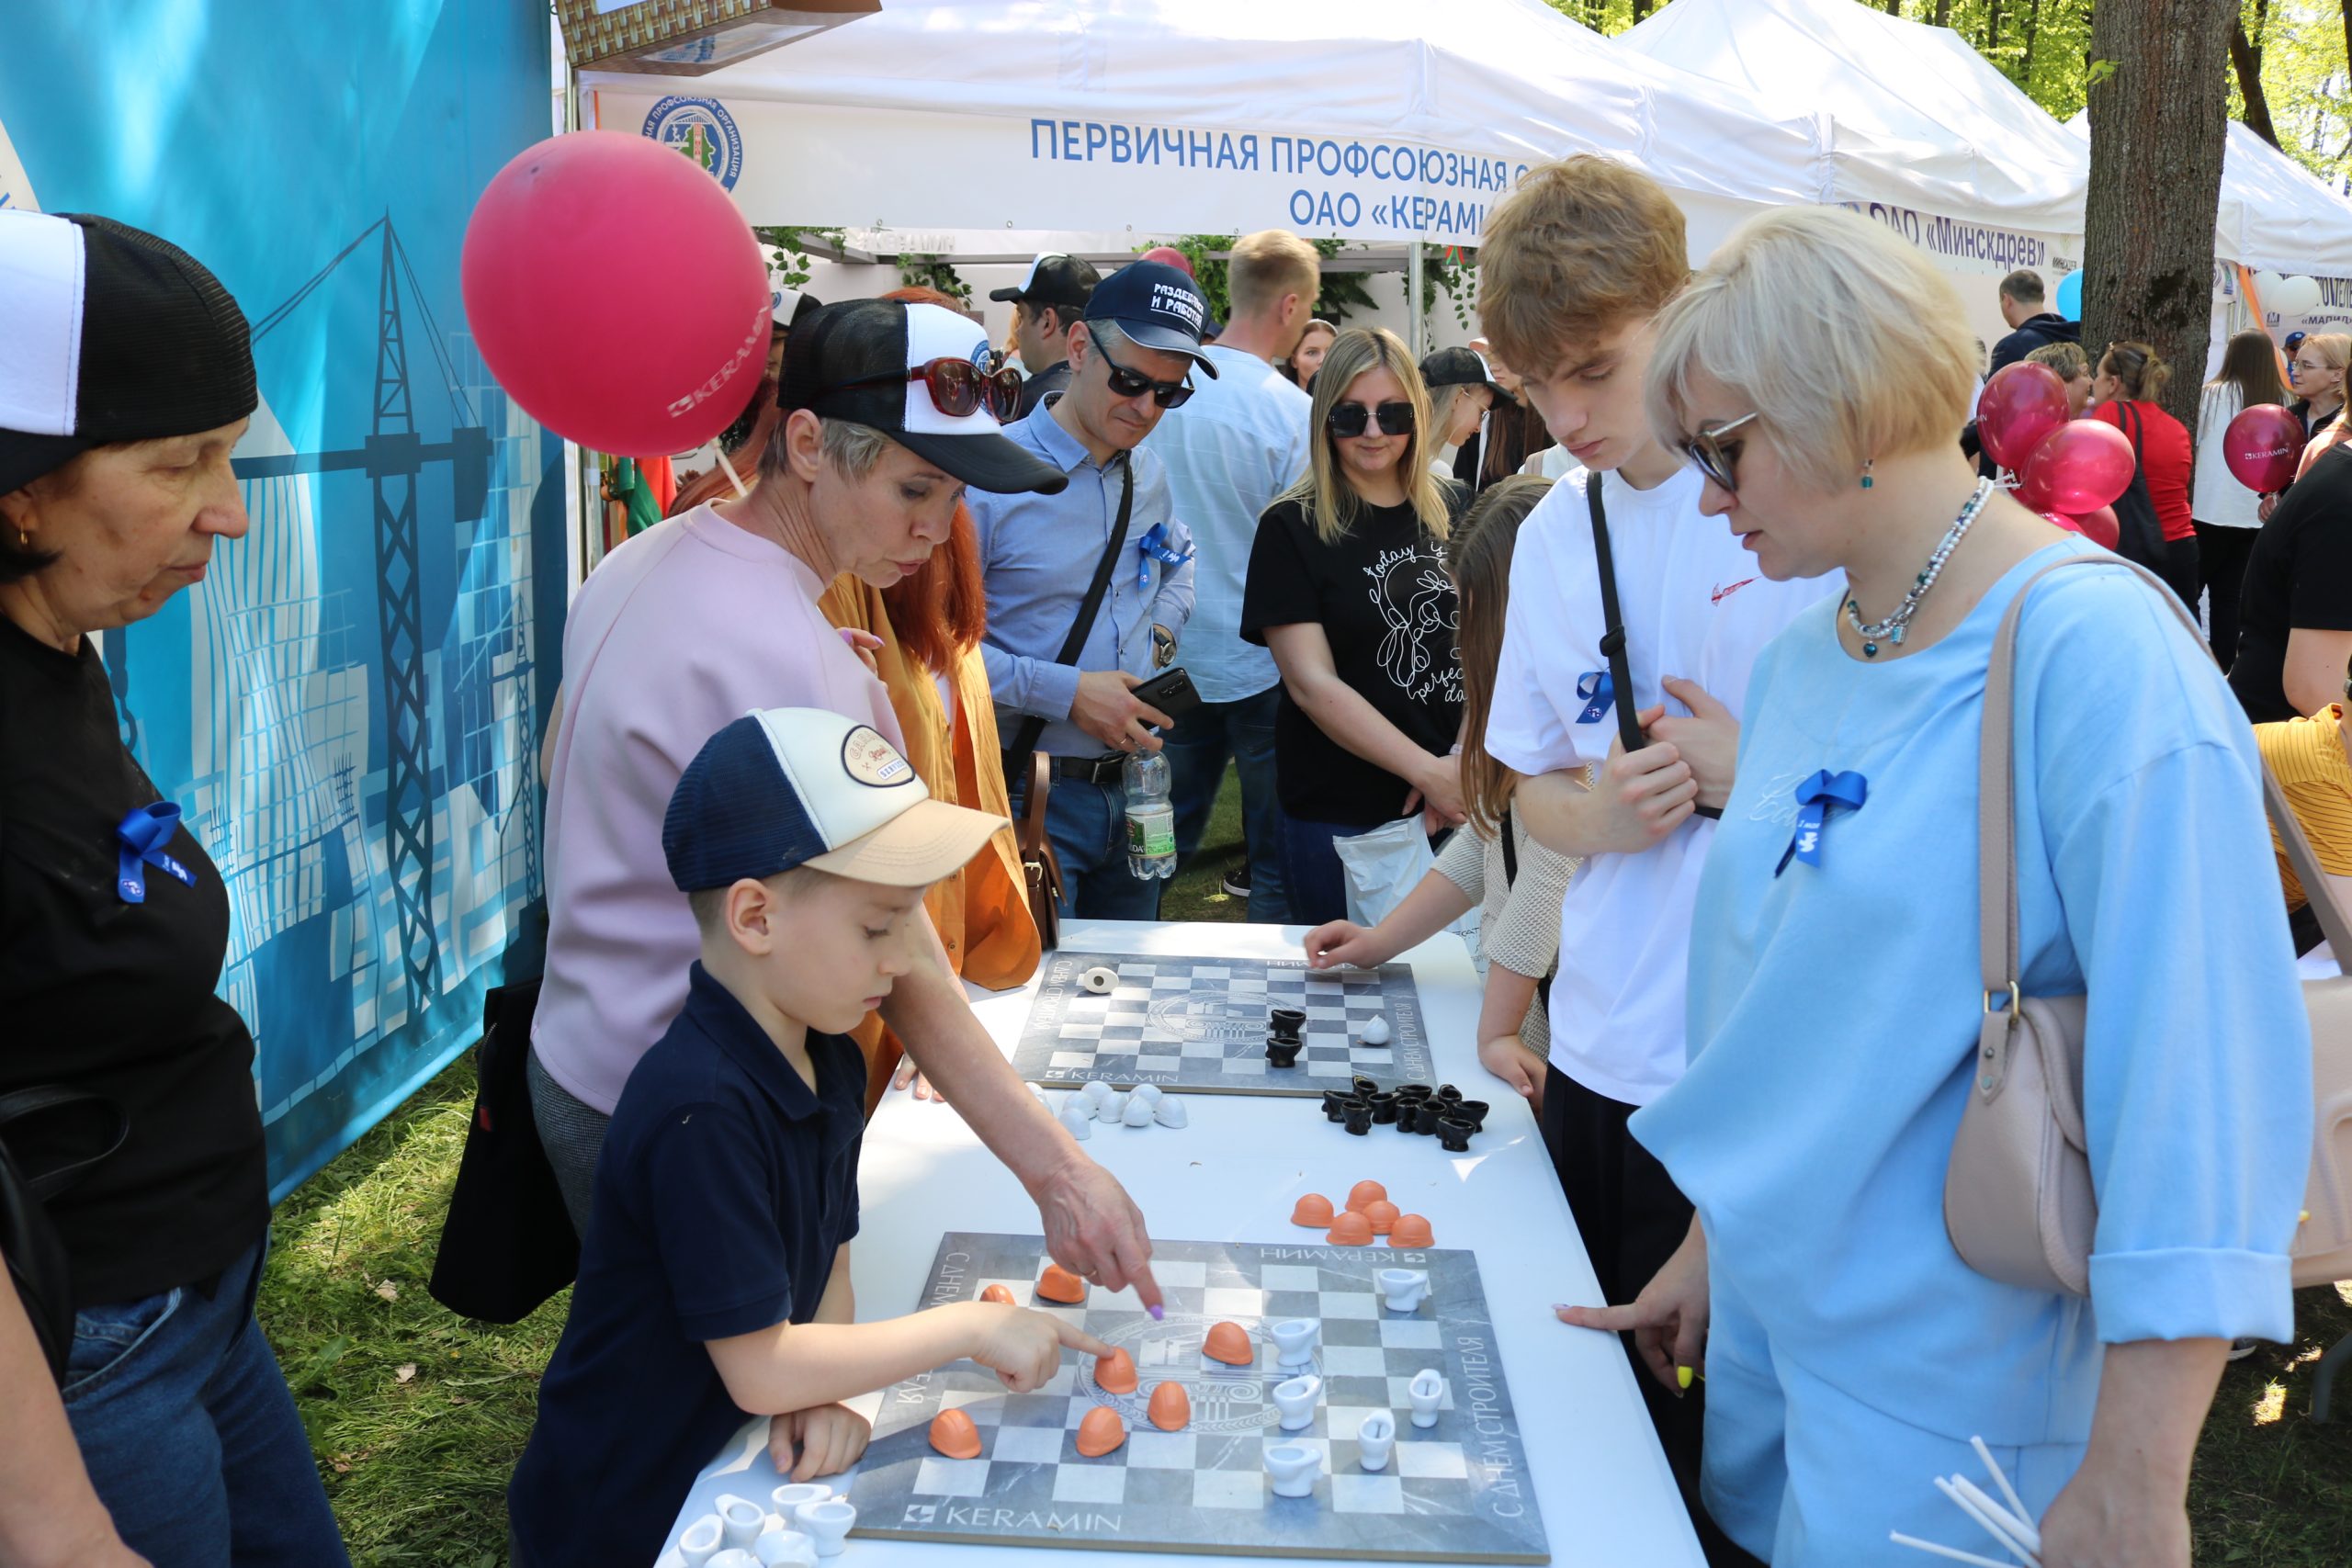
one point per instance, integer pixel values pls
(741, 490)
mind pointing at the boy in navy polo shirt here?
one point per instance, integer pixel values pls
(714, 1279)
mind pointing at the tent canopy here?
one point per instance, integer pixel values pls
(1331, 118)
(2275, 213)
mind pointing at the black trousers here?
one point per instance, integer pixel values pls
(1631, 1218)
(2222, 554)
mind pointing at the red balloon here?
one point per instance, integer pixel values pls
(617, 294)
(1171, 256)
(2078, 467)
(2021, 403)
(2099, 527)
(2262, 446)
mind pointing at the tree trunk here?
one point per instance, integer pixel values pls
(2148, 242)
(2032, 30)
(2245, 55)
(2348, 29)
(1992, 27)
(1943, 15)
(1641, 9)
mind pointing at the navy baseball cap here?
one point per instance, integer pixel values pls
(1158, 305)
(803, 786)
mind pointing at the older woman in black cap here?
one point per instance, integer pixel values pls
(126, 376)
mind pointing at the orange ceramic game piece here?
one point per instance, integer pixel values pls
(952, 1434)
(1101, 1431)
(1227, 1343)
(1314, 1212)
(1058, 1284)
(1364, 1193)
(1171, 1407)
(999, 1294)
(1410, 1230)
(1115, 1374)
(1351, 1230)
(1380, 1213)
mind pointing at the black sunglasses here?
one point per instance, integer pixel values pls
(1127, 383)
(1348, 421)
(1714, 457)
(957, 386)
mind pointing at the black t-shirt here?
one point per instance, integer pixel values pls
(2300, 574)
(117, 998)
(1053, 378)
(1386, 607)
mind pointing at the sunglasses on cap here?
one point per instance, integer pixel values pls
(1348, 421)
(1714, 456)
(1127, 383)
(957, 386)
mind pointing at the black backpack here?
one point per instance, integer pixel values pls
(2139, 538)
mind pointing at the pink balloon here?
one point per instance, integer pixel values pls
(2019, 405)
(2078, 467)
(617, 294)
(2099, 527)
(2262, 446)
(1171, 256)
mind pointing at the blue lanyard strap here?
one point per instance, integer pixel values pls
(1153, 546)
(1599, 696)
(138, 843)
(1815, 798)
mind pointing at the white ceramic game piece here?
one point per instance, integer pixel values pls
(1114, 1107)
(1295, 1341)
(1403, 1288)
(826, 1525)
(1077, 1121)
(1296, 1400)
(786, 1548)
(1427, 1390)
(1147, 1092)
(1137, 1115)
(1294, 1468)
(739, 1519)
(788, 1498)
(1169, 1111)
(670, 1559)
(1376, 1031)
(1099, 979)
(702, 1541)
(734, 1557)
(1094, 1092)
(1375, 1439)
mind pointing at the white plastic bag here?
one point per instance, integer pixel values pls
(1387, 862)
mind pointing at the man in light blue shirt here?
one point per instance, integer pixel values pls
(1240, 442)
(1130, 360)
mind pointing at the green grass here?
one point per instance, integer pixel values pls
(416, 1464)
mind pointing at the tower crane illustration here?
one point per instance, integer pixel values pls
(394, 459)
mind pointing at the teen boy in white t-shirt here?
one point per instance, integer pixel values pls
(1574, 266)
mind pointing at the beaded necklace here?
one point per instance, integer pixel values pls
(1893, 627)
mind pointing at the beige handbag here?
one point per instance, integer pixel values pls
(2018, 1203)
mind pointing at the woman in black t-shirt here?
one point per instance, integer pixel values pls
(175, 1438)
(1348, 589)
(2295, 609)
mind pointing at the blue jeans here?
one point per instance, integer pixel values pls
(1319, 886)
(189, 1434)
(1087, 824)
(1196, 751)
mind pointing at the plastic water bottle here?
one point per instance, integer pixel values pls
(1151, 817)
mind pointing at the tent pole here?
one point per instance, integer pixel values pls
(1416, 339)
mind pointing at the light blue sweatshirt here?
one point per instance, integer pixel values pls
(1835, 1007)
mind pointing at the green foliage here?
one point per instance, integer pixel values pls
(788, 238)
(935, 272)
(1343, 293)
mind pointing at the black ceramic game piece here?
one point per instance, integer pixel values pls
(1473, 1111)
(1384, 1107)
(1357, 1115)
(1332, 1101)
(1285, 1022)
(1404, 1113)
(1450, 1094)
(1453, 1133)
(1426, 1116)
(1362, 1086)
(1415, 1090)
(1283, 1053)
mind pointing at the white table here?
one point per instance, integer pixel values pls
(1597, 1474)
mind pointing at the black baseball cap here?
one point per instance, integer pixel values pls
(851, 361)
(1054, 279)
(1458, 368)
(109, 334)
(1157, 305)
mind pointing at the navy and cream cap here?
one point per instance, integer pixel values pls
(788, 787)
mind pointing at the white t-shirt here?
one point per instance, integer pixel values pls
(1695, 608)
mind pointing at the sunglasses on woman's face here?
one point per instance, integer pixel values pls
(1348, 421)
(959, 387)
(1716, 458)
(1127, 383)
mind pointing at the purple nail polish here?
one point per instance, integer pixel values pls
(1157, 1313)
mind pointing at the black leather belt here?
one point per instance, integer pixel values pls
(1101, 769)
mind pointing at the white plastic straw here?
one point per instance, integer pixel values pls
(1957, 1556)
(2000, 1536)
(2016, 1506)
(2018, 1530)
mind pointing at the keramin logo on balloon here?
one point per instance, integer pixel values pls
(754, 342)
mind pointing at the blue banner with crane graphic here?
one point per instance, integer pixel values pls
(348, 707)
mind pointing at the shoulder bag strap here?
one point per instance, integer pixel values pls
(1613, 635)
(1031, 726)
(1510, 851)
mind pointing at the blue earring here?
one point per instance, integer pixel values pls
(1868, 464)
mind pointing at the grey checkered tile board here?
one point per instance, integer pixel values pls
(1455, 1493)
(1200, 1024)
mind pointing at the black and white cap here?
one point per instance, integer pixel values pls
(109, 334)
(1054, 279)
(851, 361)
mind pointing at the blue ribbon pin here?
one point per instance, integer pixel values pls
(1600, 693)
(139, 842)
(1815, 798)
(1153, 546)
